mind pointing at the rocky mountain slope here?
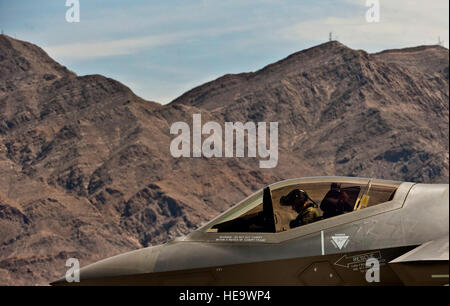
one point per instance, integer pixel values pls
(85, 166)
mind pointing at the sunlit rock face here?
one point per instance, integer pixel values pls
(86, 169)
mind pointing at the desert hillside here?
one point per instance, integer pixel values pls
(85, 166)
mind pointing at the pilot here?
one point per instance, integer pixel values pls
(335, 202)
(298, 200)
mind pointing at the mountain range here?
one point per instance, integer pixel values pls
(86, 170)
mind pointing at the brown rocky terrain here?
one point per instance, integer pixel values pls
(85, 166)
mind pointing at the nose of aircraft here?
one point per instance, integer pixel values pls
(136, 262)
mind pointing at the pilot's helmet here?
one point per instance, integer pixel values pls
(293, 196)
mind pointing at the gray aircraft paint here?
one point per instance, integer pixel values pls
(417, 214)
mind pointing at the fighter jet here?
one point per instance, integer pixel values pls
(363, 232)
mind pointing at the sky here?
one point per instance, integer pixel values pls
(161, 49)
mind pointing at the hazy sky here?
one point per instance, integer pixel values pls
(161, 49)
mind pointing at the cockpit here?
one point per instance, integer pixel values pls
(273, 209)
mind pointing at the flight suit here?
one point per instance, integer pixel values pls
(307, 215)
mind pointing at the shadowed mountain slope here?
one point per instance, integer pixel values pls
(85, 165)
